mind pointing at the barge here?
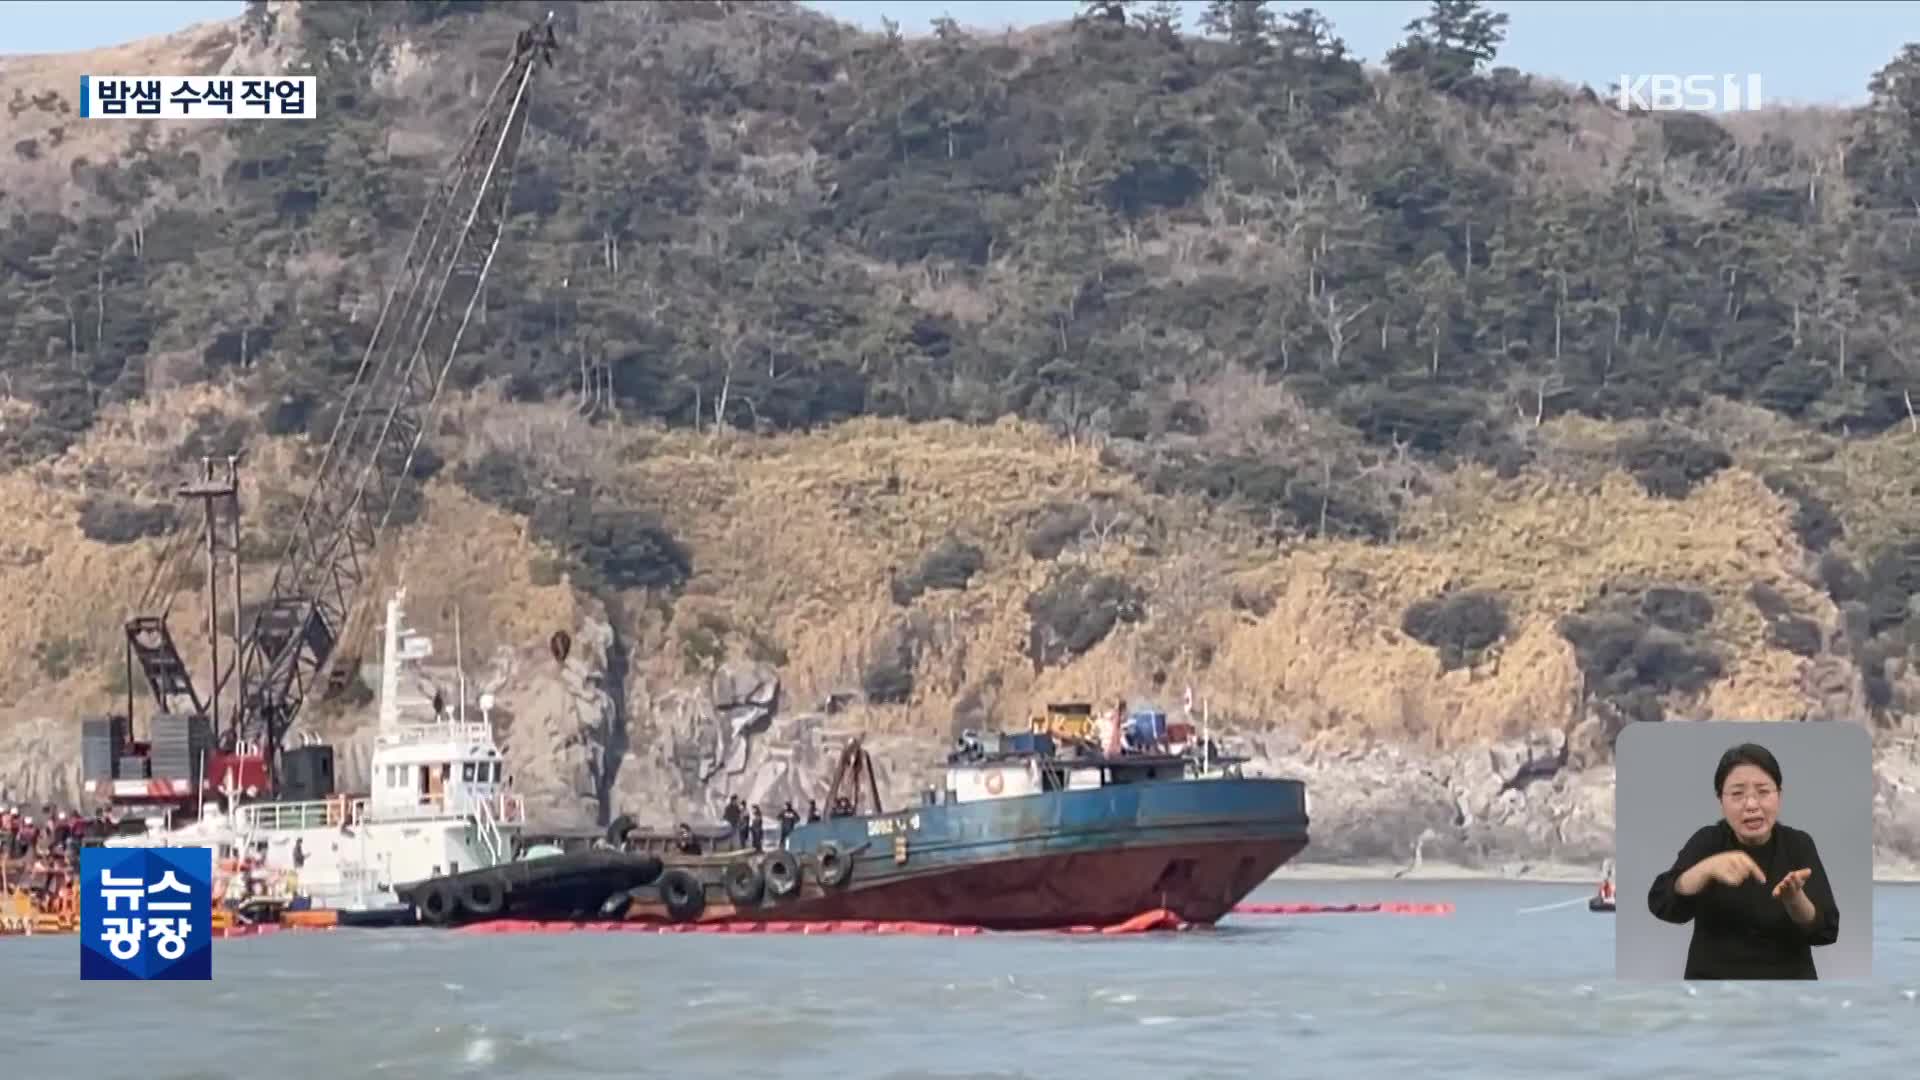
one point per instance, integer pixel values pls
(1021, 836)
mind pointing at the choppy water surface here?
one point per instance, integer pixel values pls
(1486, 992)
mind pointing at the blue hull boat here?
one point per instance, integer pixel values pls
(1017, 840)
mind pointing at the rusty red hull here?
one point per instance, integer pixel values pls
(1200, 883)
(1091, 857)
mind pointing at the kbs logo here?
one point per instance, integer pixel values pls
(1689, 93)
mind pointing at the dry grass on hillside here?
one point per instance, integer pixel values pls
(793, 539)
(1331, 653)
(798, 532)
(48, 84)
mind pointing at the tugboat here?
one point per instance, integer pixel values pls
(1019, 836)
(439, 808)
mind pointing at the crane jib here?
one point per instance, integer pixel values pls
(383, 416)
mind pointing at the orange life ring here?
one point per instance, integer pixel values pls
(994, 783)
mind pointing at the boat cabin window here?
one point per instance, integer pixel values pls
(1137, 773)
(467, 771)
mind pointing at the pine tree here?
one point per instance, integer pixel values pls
(1450, 43)
(1246, 23)
(1308, 35)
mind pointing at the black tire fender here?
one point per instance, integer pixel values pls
(683, 894)
(831, 866)
(782, 873)
(437, 904)
(745, 883)
(485, 897)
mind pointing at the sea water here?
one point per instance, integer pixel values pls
(1494, 990)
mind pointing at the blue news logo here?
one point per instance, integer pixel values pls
(146, 913)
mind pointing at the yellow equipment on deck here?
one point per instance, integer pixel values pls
(1070, 721)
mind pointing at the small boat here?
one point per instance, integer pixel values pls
(1602, 900)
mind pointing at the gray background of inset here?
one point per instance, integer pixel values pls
(1663, 792)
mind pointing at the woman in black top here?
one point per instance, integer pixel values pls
(1753, 888)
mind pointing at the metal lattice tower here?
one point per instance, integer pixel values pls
(383, 415)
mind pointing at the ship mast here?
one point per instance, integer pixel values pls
(460, 667)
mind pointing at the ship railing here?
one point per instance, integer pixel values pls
(503, 808)
(450, 731)
(489, 815)
(330, 813)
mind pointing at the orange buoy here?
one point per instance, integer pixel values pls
(311, 919)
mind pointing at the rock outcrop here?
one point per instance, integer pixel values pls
(1512, 802)
(40, 762)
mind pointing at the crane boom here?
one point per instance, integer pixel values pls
(382, 418)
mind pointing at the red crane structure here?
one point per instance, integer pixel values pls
(362, 473)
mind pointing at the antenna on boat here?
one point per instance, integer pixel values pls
(1206, 735)
(390, 664)
(460, 665)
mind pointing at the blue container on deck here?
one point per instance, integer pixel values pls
(1147, 726)
(1026, 742)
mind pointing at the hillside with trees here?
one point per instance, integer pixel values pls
(1435, 400)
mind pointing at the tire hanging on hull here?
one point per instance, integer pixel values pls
(746, 884)
(831, 866)
(782, 873)
(484, 897)
(437, 904)
(684, 896)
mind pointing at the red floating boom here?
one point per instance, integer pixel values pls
(1383, 908)
(1145, 922)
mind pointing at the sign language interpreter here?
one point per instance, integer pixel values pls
(1753, 888)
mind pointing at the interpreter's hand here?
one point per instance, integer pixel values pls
(1791, 886)
(1730, 868)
